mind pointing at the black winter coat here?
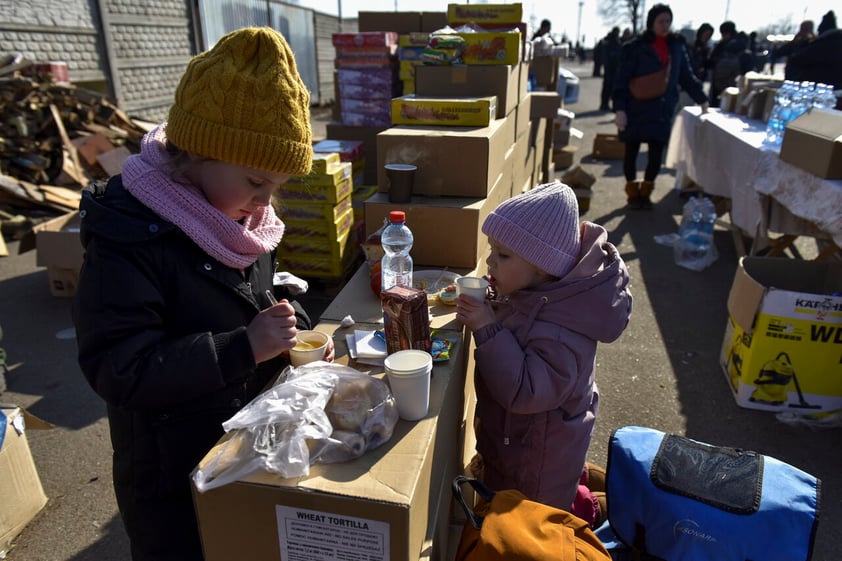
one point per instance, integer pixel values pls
(161, 329)
(819, 61)
(651, 119)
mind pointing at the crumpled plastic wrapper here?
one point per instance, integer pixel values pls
(320, 412)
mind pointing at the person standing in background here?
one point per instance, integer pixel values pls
(700, 52)
(611, 50)
(729, 59)
(543, 30)
(820, 60)
(650, 120)
(804, 36)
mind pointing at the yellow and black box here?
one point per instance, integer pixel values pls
(782, 349)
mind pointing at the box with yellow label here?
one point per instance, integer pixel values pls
(491, 47)
(782, 349)
(485, 14)
(446, 111)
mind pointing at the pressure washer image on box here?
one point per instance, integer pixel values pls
(772, 383)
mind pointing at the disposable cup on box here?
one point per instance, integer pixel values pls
(408, 373)
(310, 347)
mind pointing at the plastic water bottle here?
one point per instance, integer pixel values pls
(694, 249)
(396, 264)
(780, 114)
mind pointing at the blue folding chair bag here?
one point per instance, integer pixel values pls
(677, 499)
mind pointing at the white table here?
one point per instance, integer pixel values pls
(725, 155)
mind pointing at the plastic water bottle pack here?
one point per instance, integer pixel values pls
(695, 249)
(793, 99)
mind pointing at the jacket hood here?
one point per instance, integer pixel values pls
(111, 212)
(592, 299)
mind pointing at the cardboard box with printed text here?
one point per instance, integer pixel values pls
(782, 349)
(385, 505)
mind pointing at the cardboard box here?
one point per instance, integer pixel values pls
(545, 105)
(608, 147)
(486, 15)
(544, 70)
(491, 47)
(433, 21)
(523, 117)
(21, 493)
(377, 507)
(444, 111)
(563, 157)
(59, 249)
(452, 161)
(813, 142)
(462, 80)
(781, 350)
(447, 230)
(402, 22)
(368, 136)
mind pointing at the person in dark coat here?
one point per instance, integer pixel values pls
(175, 330)
(611, 49)
(729, 59)
(700, 52)
(804, 36)
(650, 120)
(820, 60)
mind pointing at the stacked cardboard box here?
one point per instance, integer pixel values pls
(366, 76)
(319, 217)
(463, 171)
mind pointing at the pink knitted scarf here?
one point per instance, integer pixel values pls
(226, 240)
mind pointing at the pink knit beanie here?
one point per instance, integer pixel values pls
(541, 226)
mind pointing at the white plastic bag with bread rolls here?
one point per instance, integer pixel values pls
(320, 412)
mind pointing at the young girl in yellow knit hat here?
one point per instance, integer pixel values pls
(174, 326)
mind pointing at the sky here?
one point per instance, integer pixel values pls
(564, 14)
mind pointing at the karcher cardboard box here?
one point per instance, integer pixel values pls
(452, 161)
(813, 142)
(782, 349)
(381, 506)
(21, 493)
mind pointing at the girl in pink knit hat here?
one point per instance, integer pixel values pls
(557, 288)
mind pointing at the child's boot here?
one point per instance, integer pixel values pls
(633, 194)
(646, 188)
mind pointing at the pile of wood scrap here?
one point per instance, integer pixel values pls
(55, 138)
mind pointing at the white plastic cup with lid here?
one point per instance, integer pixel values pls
(408, 372)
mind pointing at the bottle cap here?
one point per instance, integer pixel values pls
(397, 216)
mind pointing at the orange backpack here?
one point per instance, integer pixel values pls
(506, 526)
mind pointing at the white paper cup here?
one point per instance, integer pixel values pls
(310, 347)
(408, 373)
(473, 287)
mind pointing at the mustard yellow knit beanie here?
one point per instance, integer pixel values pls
(243, 102)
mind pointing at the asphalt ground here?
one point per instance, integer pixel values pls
(662, 373)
